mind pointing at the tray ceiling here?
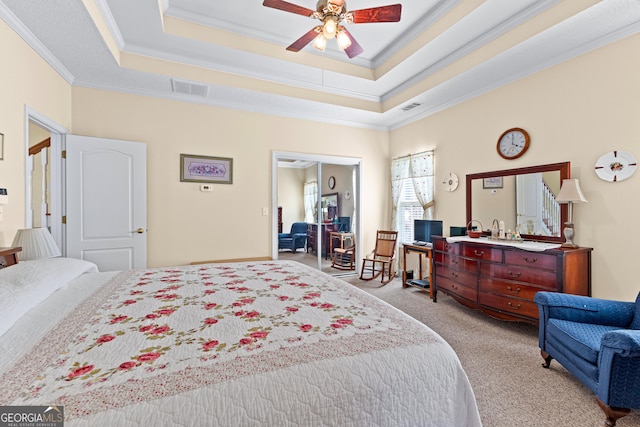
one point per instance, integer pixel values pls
(232, 54)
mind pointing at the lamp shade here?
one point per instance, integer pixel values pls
(570, 192)
(36, 243)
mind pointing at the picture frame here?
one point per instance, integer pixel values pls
(1, 146)
(493, 182)
(207, 169)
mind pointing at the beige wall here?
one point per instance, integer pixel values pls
(25, 80)
(576, 112)
(291, 196)
(187, 225)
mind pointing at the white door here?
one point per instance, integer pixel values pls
(529, 211)
(106, 202)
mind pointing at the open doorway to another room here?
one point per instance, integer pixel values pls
(317, 194)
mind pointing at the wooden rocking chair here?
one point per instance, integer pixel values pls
(344, 259)
(380, 261)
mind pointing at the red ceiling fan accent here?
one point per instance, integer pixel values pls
(333, 13)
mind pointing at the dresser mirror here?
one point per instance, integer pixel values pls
(329, 206)
(524, 198)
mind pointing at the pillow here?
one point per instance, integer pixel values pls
(26, 284)
(635, 323)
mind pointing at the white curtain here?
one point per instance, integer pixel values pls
(421, 172)
(399, 172)
(310, 201)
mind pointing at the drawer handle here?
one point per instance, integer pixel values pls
(454, 260)
(517, 306)
(454, 274)
(512, 274)
(517, 291)
(531, 260)
(480, 253)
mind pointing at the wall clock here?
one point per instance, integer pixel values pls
(332, 182)
(616, 166)
(451, 181)
(513, 143)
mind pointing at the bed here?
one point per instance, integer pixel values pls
(232, 344)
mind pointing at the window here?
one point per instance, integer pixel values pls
(409, 209)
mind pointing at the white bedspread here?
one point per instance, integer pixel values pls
(270, 343)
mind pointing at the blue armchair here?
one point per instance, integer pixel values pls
(295, 239)
(598, 341)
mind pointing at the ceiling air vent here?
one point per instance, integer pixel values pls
(411, 106)
(189, 88)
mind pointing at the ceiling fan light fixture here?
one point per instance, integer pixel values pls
(329, 28)
(320, 42)
(343, 39)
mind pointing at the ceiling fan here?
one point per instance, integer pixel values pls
(332, 13)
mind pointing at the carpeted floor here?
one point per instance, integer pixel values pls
(503, 363)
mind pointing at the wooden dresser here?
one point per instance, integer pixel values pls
(502, 280)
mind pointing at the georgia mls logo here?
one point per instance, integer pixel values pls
(31, 416)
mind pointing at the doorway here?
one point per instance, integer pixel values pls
(333, 183)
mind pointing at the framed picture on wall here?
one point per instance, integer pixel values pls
(493, 182)
(216, 170)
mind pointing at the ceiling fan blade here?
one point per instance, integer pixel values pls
(288, 7)
(304, 40)
(355, 49)
(389, 13)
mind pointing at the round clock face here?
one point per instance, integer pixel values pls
(616, 166)
(332, 182)
(513, 143)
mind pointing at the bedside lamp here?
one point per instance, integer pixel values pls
(570, 193)
(36, 243)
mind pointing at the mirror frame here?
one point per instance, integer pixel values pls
(331, 196)
(565, 173)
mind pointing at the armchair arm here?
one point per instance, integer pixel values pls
(619, 369)
(583, 309)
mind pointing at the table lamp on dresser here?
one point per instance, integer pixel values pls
(570, 193)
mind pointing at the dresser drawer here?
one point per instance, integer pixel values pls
(462, 264)
(482, 252)
(443, 246)
(531, 259)
(543, 278)
(451, 286)
(458, 276)
(507, 304)
(508, 289)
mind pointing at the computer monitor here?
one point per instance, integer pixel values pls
(424, 229)
(344, 224)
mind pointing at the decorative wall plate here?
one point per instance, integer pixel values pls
(451, 181)
(616, 166)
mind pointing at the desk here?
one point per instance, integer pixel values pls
(421, 281)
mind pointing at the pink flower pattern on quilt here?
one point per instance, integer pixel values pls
(170, 319)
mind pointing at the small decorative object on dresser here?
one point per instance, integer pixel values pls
(501, 279)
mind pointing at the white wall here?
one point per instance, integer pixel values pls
(576, 112)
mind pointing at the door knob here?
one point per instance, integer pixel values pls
(139, 230)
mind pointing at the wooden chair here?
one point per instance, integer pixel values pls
(380, 261)
(344, 259)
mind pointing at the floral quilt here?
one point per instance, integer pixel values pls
(158, 332)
